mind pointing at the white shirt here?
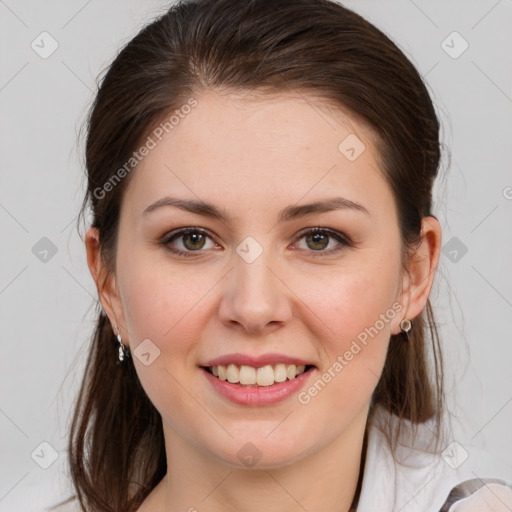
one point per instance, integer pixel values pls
(421, 480)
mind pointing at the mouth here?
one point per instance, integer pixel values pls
(264, 376)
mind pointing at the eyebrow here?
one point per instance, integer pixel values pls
(289, 213)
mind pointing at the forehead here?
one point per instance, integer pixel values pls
(245, 148)
(273, 122)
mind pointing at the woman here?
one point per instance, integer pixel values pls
(260, 176)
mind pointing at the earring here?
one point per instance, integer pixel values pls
(406, 325)
(123, 350)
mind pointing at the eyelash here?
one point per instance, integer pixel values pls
(342, 239)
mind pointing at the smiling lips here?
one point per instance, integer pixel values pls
(264, 370)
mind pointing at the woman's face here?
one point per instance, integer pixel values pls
(254, 289)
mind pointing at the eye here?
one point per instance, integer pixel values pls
(318, 239)
(190, 239)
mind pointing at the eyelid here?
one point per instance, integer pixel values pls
(343, 240)
(179, 232)
(319, 229)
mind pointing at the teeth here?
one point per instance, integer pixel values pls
(280, 373)
(247, 375)
(233, 374)
(264, 376)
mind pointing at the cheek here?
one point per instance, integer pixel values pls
(353, 340)
(166, 309)
(163, 305)
(349, 305)
(351, 315)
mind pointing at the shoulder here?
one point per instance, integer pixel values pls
(480, 495)
(417, 476)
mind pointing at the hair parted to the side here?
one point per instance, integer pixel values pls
(317, 47)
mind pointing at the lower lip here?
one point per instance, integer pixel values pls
(258, 395)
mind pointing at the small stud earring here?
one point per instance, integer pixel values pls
(406, 325)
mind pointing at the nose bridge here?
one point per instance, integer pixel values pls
(254, 297)
(254, 279)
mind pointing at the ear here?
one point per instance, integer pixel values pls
(105, 284)
(417, 282)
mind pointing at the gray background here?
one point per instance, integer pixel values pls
(45, 306)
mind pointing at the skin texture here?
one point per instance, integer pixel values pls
(253, 157)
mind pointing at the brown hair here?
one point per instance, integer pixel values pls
(116, 445)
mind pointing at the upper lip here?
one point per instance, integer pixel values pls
(255, 361)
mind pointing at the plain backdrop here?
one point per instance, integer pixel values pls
(46, 291)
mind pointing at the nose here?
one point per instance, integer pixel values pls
(255, 298)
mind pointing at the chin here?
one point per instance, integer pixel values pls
(257, 452)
